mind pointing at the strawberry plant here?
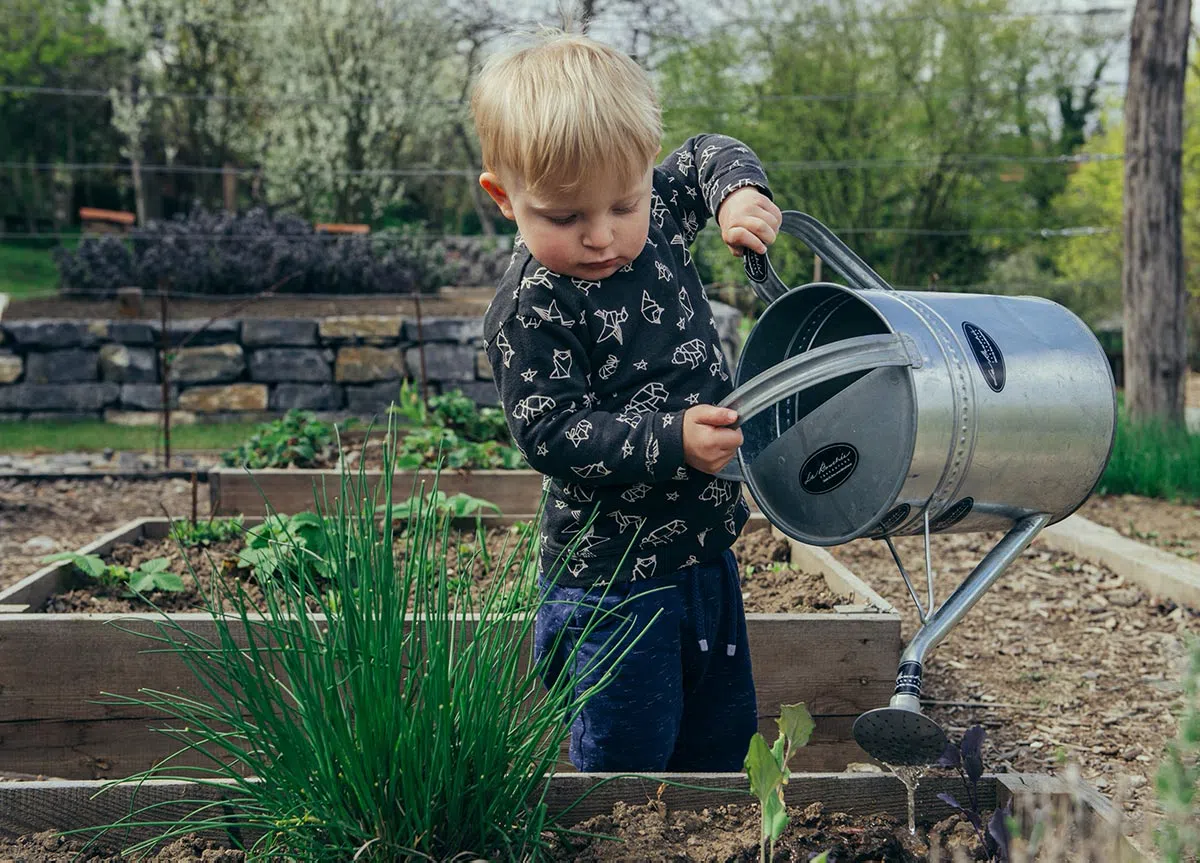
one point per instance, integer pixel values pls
(768, 772)
(205, 533)
(297, 439)
(149, 576)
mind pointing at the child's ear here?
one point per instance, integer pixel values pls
(491, 184)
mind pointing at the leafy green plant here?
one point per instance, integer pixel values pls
(282, 542)
(1178, 780)
(768, 772)
(297, 439)
(150, 575)
(403, 722)
(453, 431)
(458, 505)
(204, 533)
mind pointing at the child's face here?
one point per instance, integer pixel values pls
(589, 234)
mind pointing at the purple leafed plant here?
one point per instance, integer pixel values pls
(967, 759)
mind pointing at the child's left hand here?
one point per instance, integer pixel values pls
(748, 220)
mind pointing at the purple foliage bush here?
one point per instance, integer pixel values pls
(225, 254)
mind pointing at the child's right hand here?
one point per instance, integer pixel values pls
(708, 445)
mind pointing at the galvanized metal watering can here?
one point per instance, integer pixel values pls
(868, 411)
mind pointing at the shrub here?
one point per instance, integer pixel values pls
(224, 254)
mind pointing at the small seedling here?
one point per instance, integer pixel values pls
(967, 759)
(150, 575)
(456, 505)
(189, 534)
(767, 770)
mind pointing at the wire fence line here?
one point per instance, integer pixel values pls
(949, 160)
(273, 98)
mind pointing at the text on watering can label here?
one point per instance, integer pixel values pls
(828, 467)
(987, 354)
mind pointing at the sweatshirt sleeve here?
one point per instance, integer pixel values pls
(700, 175)
(544, 376)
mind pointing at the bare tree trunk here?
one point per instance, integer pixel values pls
(1155, 298)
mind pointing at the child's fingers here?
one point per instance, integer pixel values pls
(744, 237)
(712, 415)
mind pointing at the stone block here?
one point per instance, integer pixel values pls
(69, 365)
(208, 365)
(483, 366)
(483, 393)
(367, 329)
(461, 331)
(204, 332)
(303, 365)
(50, 333)
(234, 398)
(273, 332)
(147, 418)
(128, 365)
(59, 397)
(147, 397)
(444, 362)
(10, 368)
(308, 397)
(365, 364)
(140, 333)
(372, 399)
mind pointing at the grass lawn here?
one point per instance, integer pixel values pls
(27, 272)
(97, 435)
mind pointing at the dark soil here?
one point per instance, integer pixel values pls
(724, 834)
(1171, 527)
(458, 302)
(769, 583)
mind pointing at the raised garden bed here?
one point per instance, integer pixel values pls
(862, 815)
(54, 666)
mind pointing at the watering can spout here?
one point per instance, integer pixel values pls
(900, 734)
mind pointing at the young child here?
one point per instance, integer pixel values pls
(609, 365)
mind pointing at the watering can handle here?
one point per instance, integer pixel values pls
(859, 354)
(825, 244)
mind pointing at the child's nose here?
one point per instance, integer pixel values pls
(598, 234)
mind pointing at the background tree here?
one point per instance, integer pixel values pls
(1152, 276)
(53, 44)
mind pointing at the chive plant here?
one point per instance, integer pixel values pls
(335, 726)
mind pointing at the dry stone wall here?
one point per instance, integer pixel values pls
(248, 368)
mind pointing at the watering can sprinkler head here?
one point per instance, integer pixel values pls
(900, 734)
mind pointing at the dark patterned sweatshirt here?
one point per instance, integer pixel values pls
(595, 378)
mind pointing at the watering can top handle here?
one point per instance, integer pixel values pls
(825, 244)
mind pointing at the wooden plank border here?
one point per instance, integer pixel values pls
(1159, 572)
(234, 491)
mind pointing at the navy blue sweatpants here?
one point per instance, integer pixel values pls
(682, 698)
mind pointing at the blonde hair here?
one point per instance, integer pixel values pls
(554, 113)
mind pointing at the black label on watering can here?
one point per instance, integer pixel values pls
(828, 467)
(895, 517)
(908, 679)
(953, 515)
(987, 354)
(755, 266)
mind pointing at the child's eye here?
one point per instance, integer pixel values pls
(624, 211)
(561, 220)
